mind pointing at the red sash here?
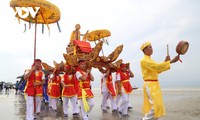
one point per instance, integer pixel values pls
(110, 86)
(125, 81)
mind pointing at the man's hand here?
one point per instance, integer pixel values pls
(167, 58)
(175, 59)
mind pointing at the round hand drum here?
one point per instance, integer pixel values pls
(182, 47)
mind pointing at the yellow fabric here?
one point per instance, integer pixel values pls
(150, 71)
(97, 34)
(48, 13)
(156, 95)
(24, 96)
(85, 104)
(74, 50)
(75, 35)
(145, 45)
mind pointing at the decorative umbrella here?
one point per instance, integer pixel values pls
(97, 34)
(47, 13)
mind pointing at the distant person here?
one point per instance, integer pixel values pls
(35, 80)
(153, 106)
(16, 87)
(7, 86)
(1, 86)
(22, 85)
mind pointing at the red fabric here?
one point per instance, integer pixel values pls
(68, 66)
(126, 84)
(110, 86)
(86, 86)
(83, 46)
(29, 89)
(55, 87)
(69, 91)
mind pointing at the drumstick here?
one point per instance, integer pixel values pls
(167, 50)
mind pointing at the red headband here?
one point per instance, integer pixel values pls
(36, 60)
(123, 65)
(68, 66)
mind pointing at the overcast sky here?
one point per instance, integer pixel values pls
(131, 22)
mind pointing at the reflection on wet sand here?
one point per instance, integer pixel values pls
(14, 107)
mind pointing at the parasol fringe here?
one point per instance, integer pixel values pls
(107, 42)
(24, 27)
(29, 25)
(58, 27)
(42, 28)
(46, 22)
(48, 31)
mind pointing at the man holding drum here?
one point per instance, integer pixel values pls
(153, 106)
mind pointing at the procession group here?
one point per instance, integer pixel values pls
(76, 87)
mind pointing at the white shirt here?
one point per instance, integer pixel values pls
(78, 74)
(103, 84)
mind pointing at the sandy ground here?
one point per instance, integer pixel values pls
(180, 105)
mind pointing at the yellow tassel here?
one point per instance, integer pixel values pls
(74, 50)
(85, 104)
(24, 96)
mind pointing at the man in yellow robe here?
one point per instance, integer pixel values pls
(153, 106)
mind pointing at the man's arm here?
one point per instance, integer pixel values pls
(27, 74)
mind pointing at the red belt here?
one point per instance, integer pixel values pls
(151, 80)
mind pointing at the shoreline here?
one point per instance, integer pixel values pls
(164, 89)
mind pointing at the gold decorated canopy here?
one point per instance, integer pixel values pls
(48, 12)
(97, 34)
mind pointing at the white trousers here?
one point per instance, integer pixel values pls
(54, 103)
(29, 107)
(107, 95)
(118, 100)
(50, 102)
(38, 103)
(84, 114)
(74, 102)
(124, 104)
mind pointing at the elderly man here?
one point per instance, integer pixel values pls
(153, 106)
(34, 86)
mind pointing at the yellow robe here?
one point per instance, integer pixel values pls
(150, 70)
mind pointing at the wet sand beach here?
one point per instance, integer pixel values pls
(182, 104)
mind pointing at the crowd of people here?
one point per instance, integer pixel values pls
(75, 85)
